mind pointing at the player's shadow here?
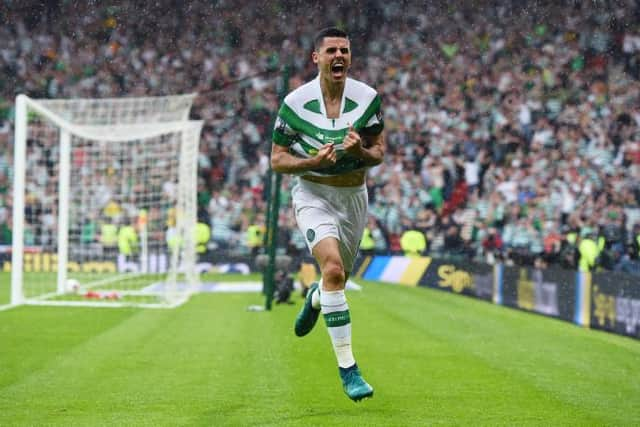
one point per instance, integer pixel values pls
(309, 417)
(347, 416)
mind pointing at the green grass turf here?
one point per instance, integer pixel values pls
(433, 358)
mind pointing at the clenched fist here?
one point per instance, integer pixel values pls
(352, 142)
(326, 156)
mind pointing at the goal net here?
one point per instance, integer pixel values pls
(104, 201)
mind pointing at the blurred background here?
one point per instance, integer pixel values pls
(513, 131)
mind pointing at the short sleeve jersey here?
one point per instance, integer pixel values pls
(302, 124)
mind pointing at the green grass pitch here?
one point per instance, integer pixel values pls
(432, 357)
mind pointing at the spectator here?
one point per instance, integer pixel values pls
(492, 246)
(526, 113)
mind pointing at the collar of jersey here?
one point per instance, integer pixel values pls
(318, 91)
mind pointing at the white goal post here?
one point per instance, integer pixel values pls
(104, 201)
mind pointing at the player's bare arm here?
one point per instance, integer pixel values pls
(284, 162)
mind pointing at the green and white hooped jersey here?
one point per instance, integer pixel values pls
(302, 124)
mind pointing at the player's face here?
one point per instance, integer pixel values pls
(333, 58)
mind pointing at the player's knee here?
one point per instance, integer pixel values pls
(333, 275)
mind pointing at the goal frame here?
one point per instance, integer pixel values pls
(66, 128)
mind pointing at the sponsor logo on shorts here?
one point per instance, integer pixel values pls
(311, 235)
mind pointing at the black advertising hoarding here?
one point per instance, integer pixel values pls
(615, 303)
(608, 301)
(469, 278)
(550, 291)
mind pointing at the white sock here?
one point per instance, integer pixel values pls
(315, 297)
(336, 316)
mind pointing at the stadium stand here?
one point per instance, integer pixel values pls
(512, 132)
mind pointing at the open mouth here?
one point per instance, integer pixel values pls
(337, 69)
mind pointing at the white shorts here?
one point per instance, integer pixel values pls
(324, 211)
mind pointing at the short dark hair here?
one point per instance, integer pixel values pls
(328, 32)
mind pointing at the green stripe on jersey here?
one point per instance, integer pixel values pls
(298, 124)
(346, 164)
(337, 318)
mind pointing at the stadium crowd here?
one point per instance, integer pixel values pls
(513, 132)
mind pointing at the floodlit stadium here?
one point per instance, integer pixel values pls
(467, 175)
